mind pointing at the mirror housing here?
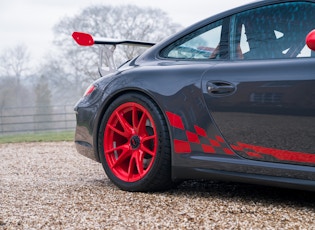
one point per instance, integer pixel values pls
(310, 40)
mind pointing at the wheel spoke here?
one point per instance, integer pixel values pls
(135, 119)
(119, 132)
(121, 147)
(141, 129)
(124, 123)
(148, 138)
(122, 156)
(139, 161)
(131, 167)
(148, 147)
(148, 151)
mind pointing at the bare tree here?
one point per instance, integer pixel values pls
(14, 62)
(120, 22)
(61, 82)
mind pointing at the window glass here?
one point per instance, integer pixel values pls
(276, 31)
(201, 44)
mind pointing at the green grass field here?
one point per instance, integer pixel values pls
(38, 137)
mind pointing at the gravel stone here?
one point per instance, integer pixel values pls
(51, 186)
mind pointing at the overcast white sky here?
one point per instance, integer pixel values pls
(30, 21)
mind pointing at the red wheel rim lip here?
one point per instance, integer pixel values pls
(126, 160)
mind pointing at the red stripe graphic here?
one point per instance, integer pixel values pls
(218, 144)
(283, 155)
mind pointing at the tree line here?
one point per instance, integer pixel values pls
(69, 69)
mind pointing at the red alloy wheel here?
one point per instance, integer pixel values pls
(130, 142)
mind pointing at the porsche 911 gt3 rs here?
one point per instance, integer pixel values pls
(231, 97)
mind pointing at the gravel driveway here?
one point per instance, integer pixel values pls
(50, 186)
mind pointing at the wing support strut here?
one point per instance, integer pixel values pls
(107, 47)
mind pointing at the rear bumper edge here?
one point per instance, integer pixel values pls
(86, 150)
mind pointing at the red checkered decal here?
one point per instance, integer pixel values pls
(198, 137)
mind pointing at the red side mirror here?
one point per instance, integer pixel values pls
(310, 40)
(83, 39)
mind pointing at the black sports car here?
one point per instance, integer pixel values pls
(230, 98)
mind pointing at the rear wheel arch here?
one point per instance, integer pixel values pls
(111, 100)
(163, 138)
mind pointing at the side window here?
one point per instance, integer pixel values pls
(276, 31)
(205, 43)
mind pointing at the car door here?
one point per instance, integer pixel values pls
(263, 98)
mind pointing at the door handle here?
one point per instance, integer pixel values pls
(220, 88)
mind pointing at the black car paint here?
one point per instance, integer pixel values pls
(286, 122)
(180, 87)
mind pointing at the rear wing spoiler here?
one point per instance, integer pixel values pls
(107, 47)
(84, 39)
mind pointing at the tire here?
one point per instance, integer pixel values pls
(135, 150)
